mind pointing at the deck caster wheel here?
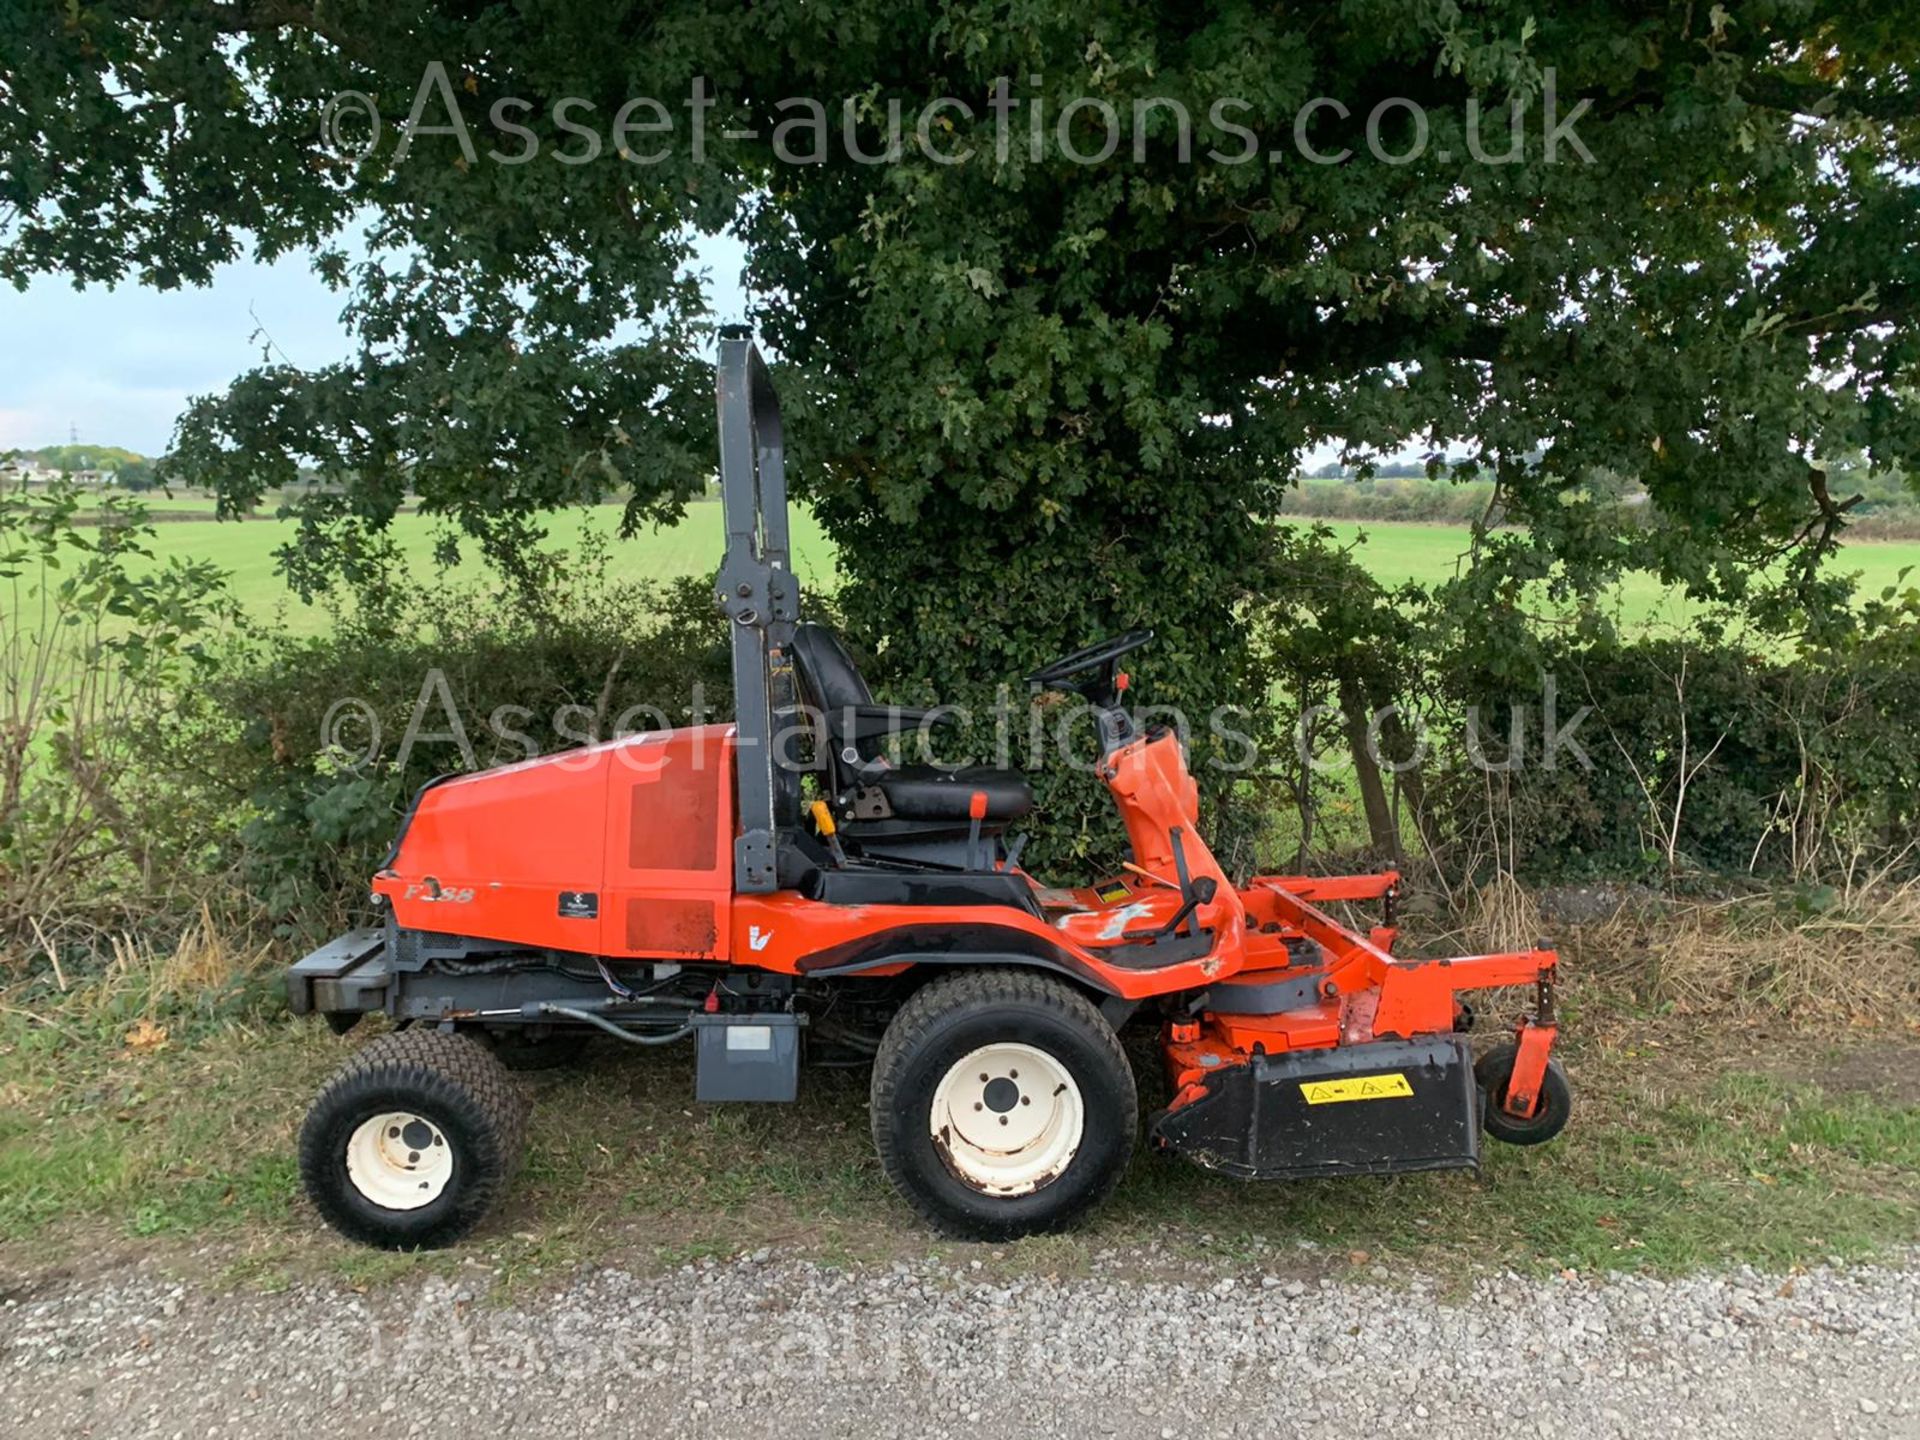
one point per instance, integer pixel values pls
(413, 1141)
(1492, 1071)
(1003, 1104)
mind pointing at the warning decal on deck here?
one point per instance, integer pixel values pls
(1359, 1087)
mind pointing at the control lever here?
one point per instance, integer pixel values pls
(823, 822)
(1199, 892)
(1193, 893)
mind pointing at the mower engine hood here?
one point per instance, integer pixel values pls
(556, 852)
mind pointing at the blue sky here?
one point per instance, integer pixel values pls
(121, 364)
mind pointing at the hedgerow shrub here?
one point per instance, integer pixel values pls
(170, 755)
(96, 636)
(300, 754)
(1414, 500)
(1694, 756)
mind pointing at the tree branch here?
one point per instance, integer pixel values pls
(1776, 92)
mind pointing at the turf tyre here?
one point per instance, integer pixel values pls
(459, 1088)
(1493, 1070)
(956, 1016)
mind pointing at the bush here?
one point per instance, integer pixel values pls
(300, 755)
(1414, 500)
(1704, 757)
(96, 637)
(159, 756)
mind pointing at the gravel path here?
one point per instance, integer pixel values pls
(764, 1347)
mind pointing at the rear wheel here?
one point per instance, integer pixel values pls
(413, 1141)
(1002, 1104)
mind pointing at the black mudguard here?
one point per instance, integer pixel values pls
(1387, 1107)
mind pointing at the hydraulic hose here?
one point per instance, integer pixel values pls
(587, 1017)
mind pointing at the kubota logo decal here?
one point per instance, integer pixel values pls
(1360, 1087)
(579, 905)
(756, 938)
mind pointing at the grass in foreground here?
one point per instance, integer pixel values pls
(1672, 1162)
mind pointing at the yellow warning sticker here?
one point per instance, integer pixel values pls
(1113, 892)
(1359, 1087)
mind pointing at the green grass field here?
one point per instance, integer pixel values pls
(246, 550)
(1394, 553)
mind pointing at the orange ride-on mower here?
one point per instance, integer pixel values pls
(688, 885)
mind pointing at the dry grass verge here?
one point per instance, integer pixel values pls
(1847, 956)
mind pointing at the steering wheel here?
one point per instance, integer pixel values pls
(1098, 656)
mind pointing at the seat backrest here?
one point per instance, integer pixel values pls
(833, 682)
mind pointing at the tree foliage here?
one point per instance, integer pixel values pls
(1037, 399)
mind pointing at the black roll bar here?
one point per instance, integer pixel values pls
(756, 590)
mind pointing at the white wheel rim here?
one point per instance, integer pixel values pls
(399, 1161)
(1007, 1119)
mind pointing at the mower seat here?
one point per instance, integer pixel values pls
(834, 686)
(926, 792)
(832, 681)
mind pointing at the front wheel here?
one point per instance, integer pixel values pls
(1493, 1072)
(414, 1141)
(1003, 1104)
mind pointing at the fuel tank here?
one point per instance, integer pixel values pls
(622, 849)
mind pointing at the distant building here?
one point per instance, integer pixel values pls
(28, 472)
(32, 472)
